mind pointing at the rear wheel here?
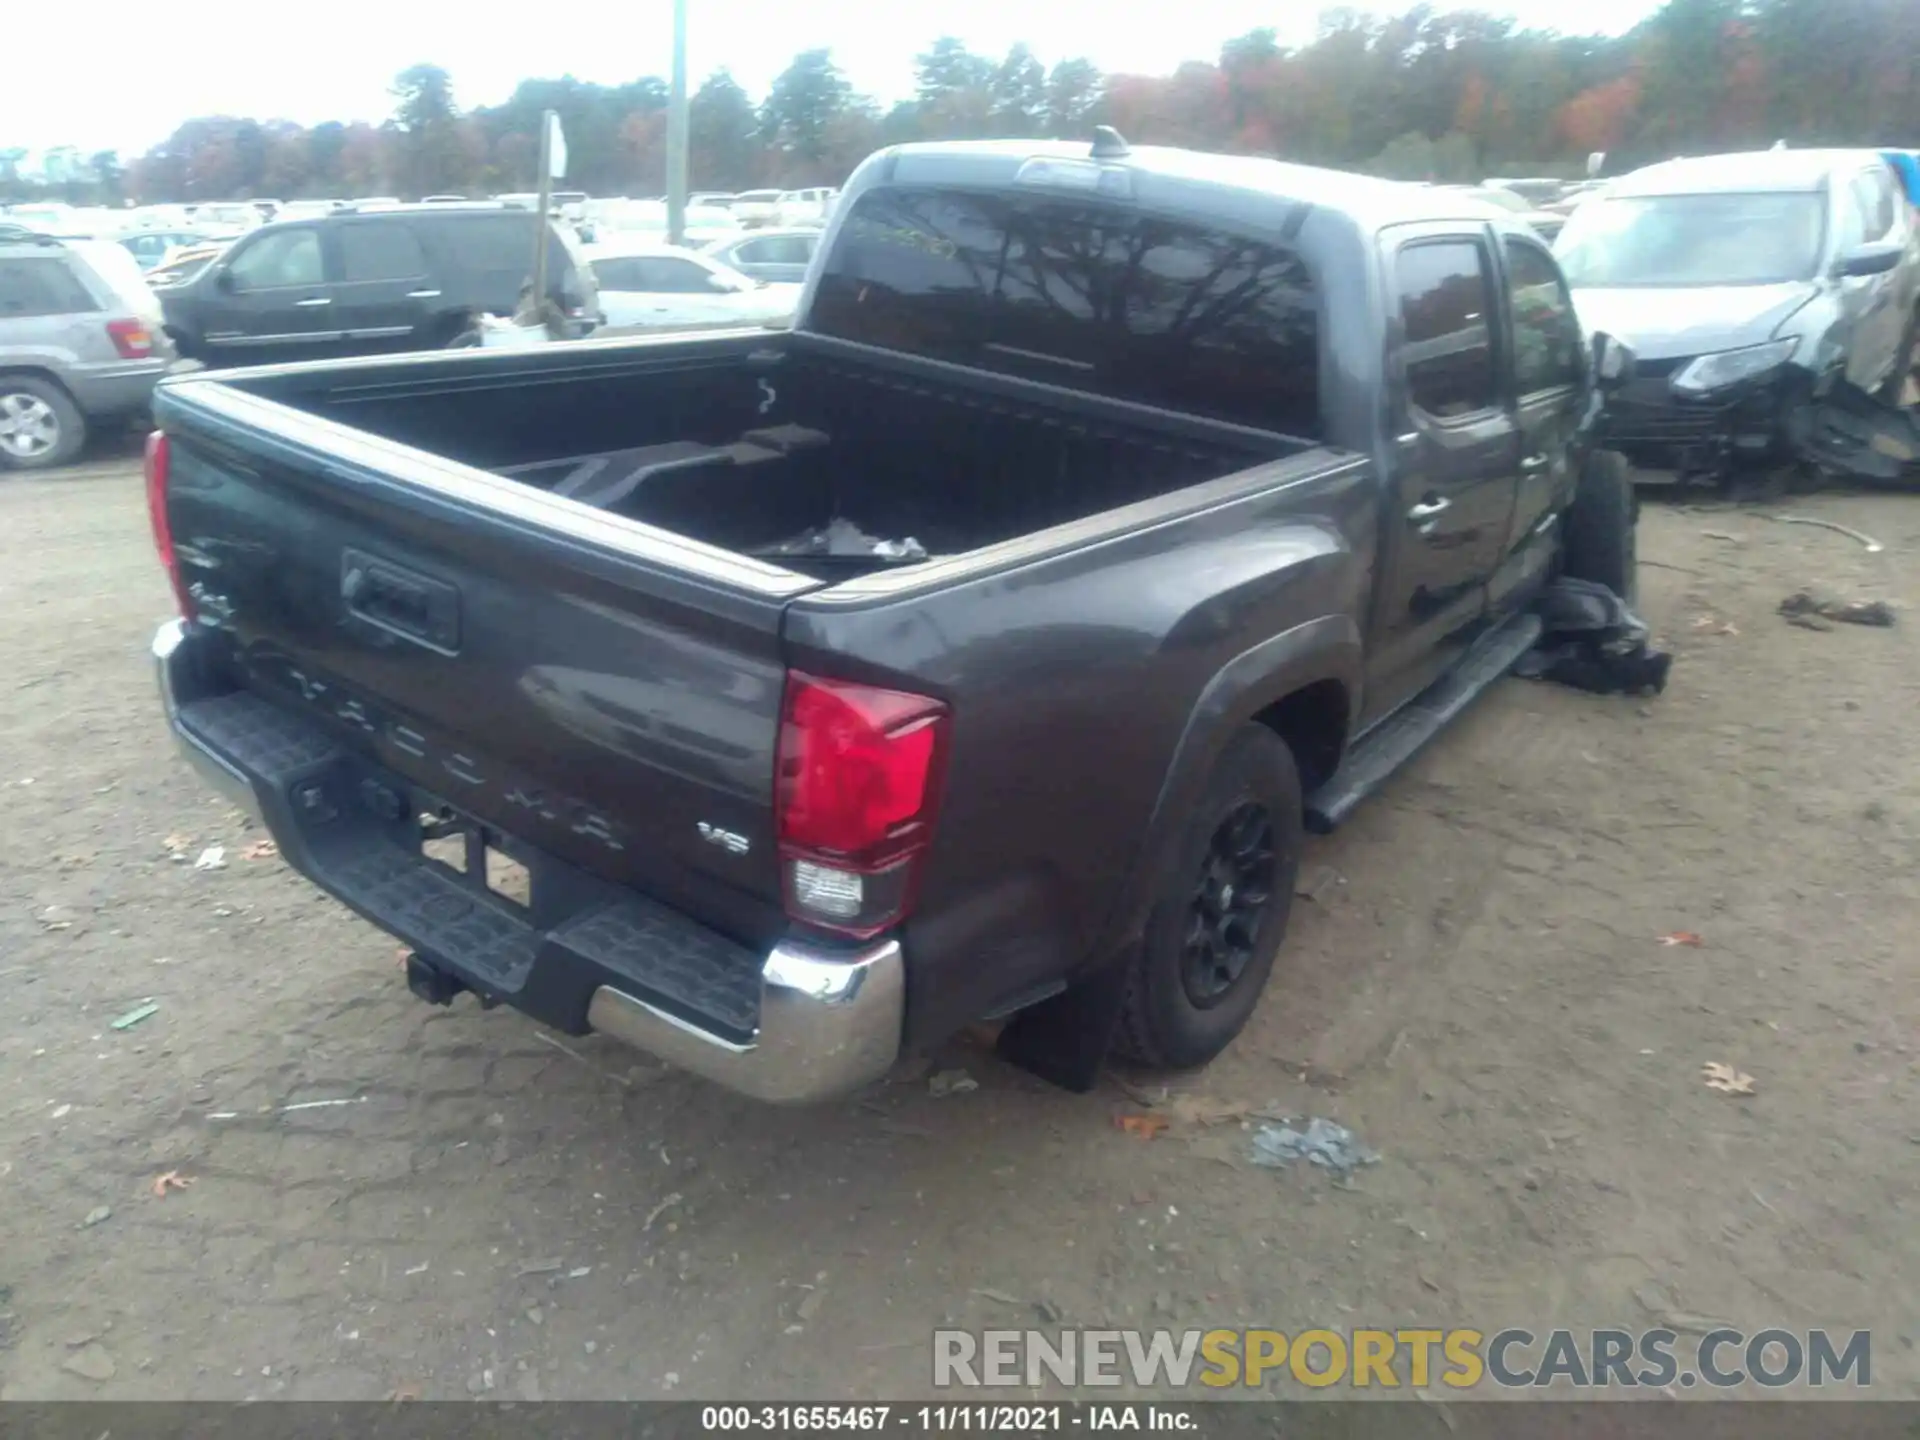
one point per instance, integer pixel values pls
(1600, 528)
(1220, 911)
(40, 427)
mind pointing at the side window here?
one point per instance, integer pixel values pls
(41, 287)
(276, 260)
(1874, 195)
(1445, 302)
(789, 250)
(380, 250)
(1546, 332)
(755, 252)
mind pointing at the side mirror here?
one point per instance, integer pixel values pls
(223, 280)
(1873, 259)
(1613, 361)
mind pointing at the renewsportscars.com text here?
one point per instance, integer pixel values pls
(1460, 1359)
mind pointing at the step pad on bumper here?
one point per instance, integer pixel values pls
(694, 971)
(311, 790)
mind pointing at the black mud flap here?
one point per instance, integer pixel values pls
(1849, 435)
(1065, 1039)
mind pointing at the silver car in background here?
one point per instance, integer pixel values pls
(780, 256)
(80, 344)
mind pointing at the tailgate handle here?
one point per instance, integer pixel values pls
(401, 602)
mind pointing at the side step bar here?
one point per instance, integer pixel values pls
(1400, 737)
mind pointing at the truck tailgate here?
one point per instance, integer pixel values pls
(551, 676)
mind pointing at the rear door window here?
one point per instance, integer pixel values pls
(1138, 307)
(1546, 331)
(41, 285)
(380, 250)
(1446, 301)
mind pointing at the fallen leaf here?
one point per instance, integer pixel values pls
(260, 850)
(1726, 1079)
(176, 845)
(1727, 629)
(1682, 937)
(172, 1180)
(404, 1394)
(1143, 1126)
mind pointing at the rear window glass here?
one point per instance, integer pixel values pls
(1132, 306)
(495, 252)
(41, 286)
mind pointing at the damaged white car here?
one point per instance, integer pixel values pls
(1755, 290)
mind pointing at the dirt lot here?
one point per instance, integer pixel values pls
(1476, 986)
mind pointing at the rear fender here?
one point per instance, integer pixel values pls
(1324, 649)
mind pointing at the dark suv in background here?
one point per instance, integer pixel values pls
(363, 283)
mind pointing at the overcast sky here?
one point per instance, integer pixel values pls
(135, 71)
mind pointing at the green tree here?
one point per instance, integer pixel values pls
(806, 100)
(109, 177)
(722, 127)
(1018, 92)
(430, 154)
(1074, 88)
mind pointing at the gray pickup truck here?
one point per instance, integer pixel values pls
(983, 646)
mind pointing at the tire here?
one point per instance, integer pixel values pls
(40, 426)
(1895, 386)
(1208, 950)
(1600, 527)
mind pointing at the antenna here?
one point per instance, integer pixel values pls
(1108, 144)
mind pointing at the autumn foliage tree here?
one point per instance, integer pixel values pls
(1428, 93)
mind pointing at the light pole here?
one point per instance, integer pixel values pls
(677, 131)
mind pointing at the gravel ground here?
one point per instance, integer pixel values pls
(1476, 985)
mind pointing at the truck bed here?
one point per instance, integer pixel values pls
(816, 457)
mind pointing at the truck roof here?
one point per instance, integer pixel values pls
(1230, 187)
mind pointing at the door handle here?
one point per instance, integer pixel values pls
(1533, 464)
(1427, 511)
(423, 294)
(312, 301)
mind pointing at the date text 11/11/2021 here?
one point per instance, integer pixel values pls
(945, 1419)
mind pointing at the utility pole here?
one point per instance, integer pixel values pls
(549, 121)
(677, 131)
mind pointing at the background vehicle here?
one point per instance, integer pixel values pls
(359, 283)
(80, 344)
(1546, 223)
(756, 207)
(1745, 283)
(645, 283)
(309, 209)
(183, 262)
(230, 216)
(607, 220)
(968, 650)
(805, 207)
(777, 256)
(150, 247)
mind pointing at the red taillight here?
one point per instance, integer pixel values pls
(158, 458)
(131, 338)
(856, 789)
